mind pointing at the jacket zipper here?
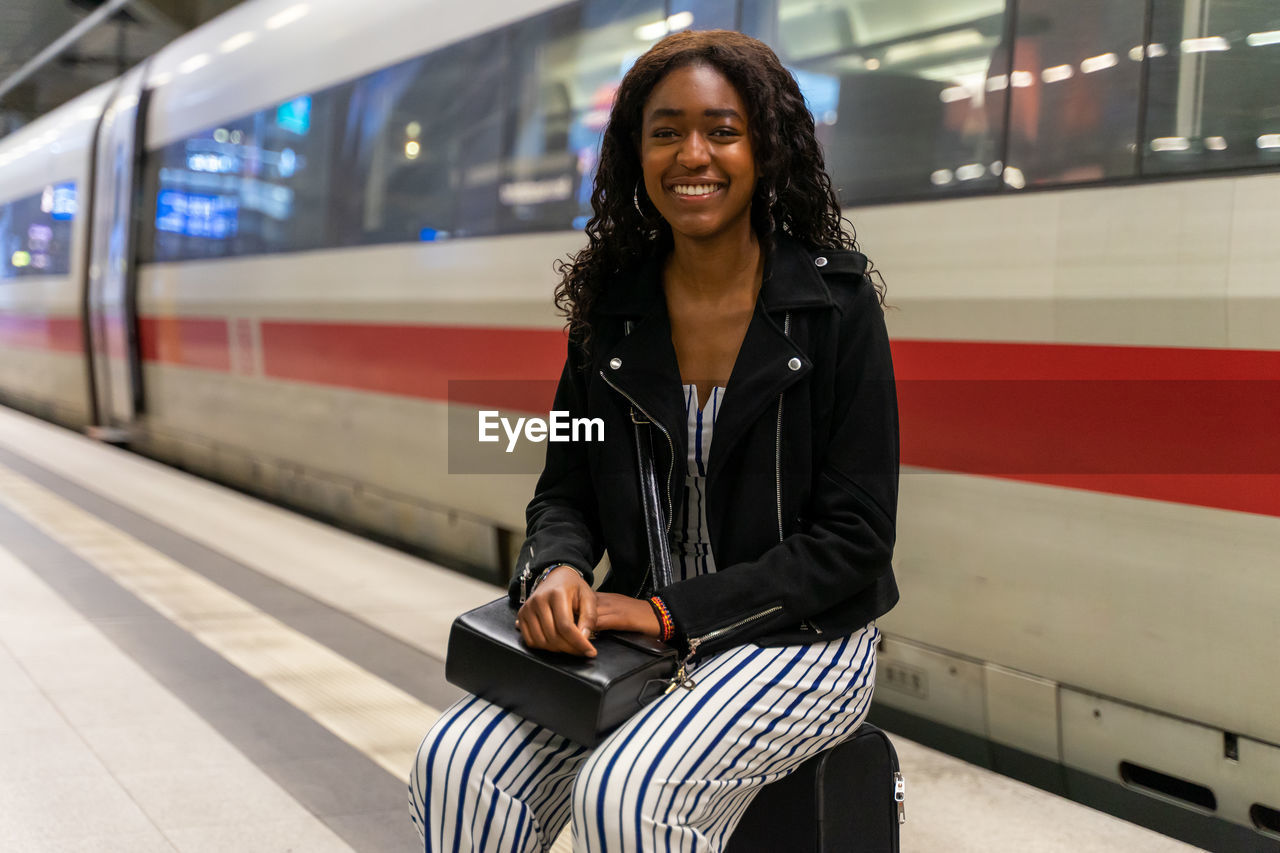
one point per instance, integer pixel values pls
(526, 576)
(805, 625)
(681, 678)
(671, 449)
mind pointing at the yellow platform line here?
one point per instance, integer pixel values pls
(376, 717)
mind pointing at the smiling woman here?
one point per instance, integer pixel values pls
(791, 194)
(718, 285)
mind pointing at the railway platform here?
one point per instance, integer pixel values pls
(185, 668)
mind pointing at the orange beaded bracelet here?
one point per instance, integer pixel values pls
(664, 618)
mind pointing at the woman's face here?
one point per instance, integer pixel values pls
(695, 151)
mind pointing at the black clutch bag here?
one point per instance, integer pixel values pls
(583, 699)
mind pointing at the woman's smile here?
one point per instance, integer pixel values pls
(696, 192)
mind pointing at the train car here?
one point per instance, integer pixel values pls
(45, 170)
(316, 242)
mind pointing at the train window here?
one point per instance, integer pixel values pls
(1212, 98)
(419, 156)
(255, 185)
(905, 95)
(566, 65)
(704, 14)
(36, 232)
(1074, 89)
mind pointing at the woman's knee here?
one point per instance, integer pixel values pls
(428, 777)
(600, 812)
(421, 784)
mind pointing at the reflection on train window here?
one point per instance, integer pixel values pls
(908, 97)
(420, 147)
(1213, 100)
(258, 184)
(703, 15)
(566, 66)
(500, 133)
(35, 232)
(1074, 115)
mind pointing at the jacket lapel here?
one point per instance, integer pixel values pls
(764, 369)
(647, 371)
(642, 367)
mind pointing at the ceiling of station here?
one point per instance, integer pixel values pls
(27, 27)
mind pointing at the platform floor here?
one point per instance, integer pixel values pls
(184, 668)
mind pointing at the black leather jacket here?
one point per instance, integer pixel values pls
(802, 482)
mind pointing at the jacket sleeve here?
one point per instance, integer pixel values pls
(848, 542)
(562, 524)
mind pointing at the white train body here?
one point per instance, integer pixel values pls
(1092, 619)
(43, 314)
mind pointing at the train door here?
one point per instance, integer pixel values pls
(111, 299)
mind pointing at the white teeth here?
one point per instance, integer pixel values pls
(701, 189)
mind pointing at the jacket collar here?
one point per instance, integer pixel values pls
(791, 280)
(642, 365)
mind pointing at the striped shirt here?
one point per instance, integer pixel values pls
(690, 540)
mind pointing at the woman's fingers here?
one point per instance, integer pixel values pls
(567, 627)
(530, 626)
(609, 612)
(547, 628)
(587, 611)
(548, 621)
(539, 628)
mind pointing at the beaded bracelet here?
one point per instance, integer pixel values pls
(664, 618)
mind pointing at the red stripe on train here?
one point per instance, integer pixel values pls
(1184, 425)
(58, 334)
(1192, 426)
(983, 360)
(187, 341)
(420, 361)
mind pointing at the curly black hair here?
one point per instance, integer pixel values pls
(793, 192)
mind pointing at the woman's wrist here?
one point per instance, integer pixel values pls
(548, 572)
(618, 612)
(529, 583)
(666, 625)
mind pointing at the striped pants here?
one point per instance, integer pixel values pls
(676, 777)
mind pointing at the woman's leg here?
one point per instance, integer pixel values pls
(678, 776)
(486, 779)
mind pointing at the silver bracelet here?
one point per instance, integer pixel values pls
(530, 587)
(538, 581)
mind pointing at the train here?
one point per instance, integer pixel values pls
(301, 247)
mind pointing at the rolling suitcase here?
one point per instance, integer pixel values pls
(848, 799)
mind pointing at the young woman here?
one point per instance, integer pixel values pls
(717, 240)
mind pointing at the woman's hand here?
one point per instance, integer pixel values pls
(623, 613)
(560, 615)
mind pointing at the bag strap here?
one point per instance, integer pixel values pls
(655, 525)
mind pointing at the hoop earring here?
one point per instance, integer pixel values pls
(635, 199)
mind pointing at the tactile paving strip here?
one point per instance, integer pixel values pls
(375, 717)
